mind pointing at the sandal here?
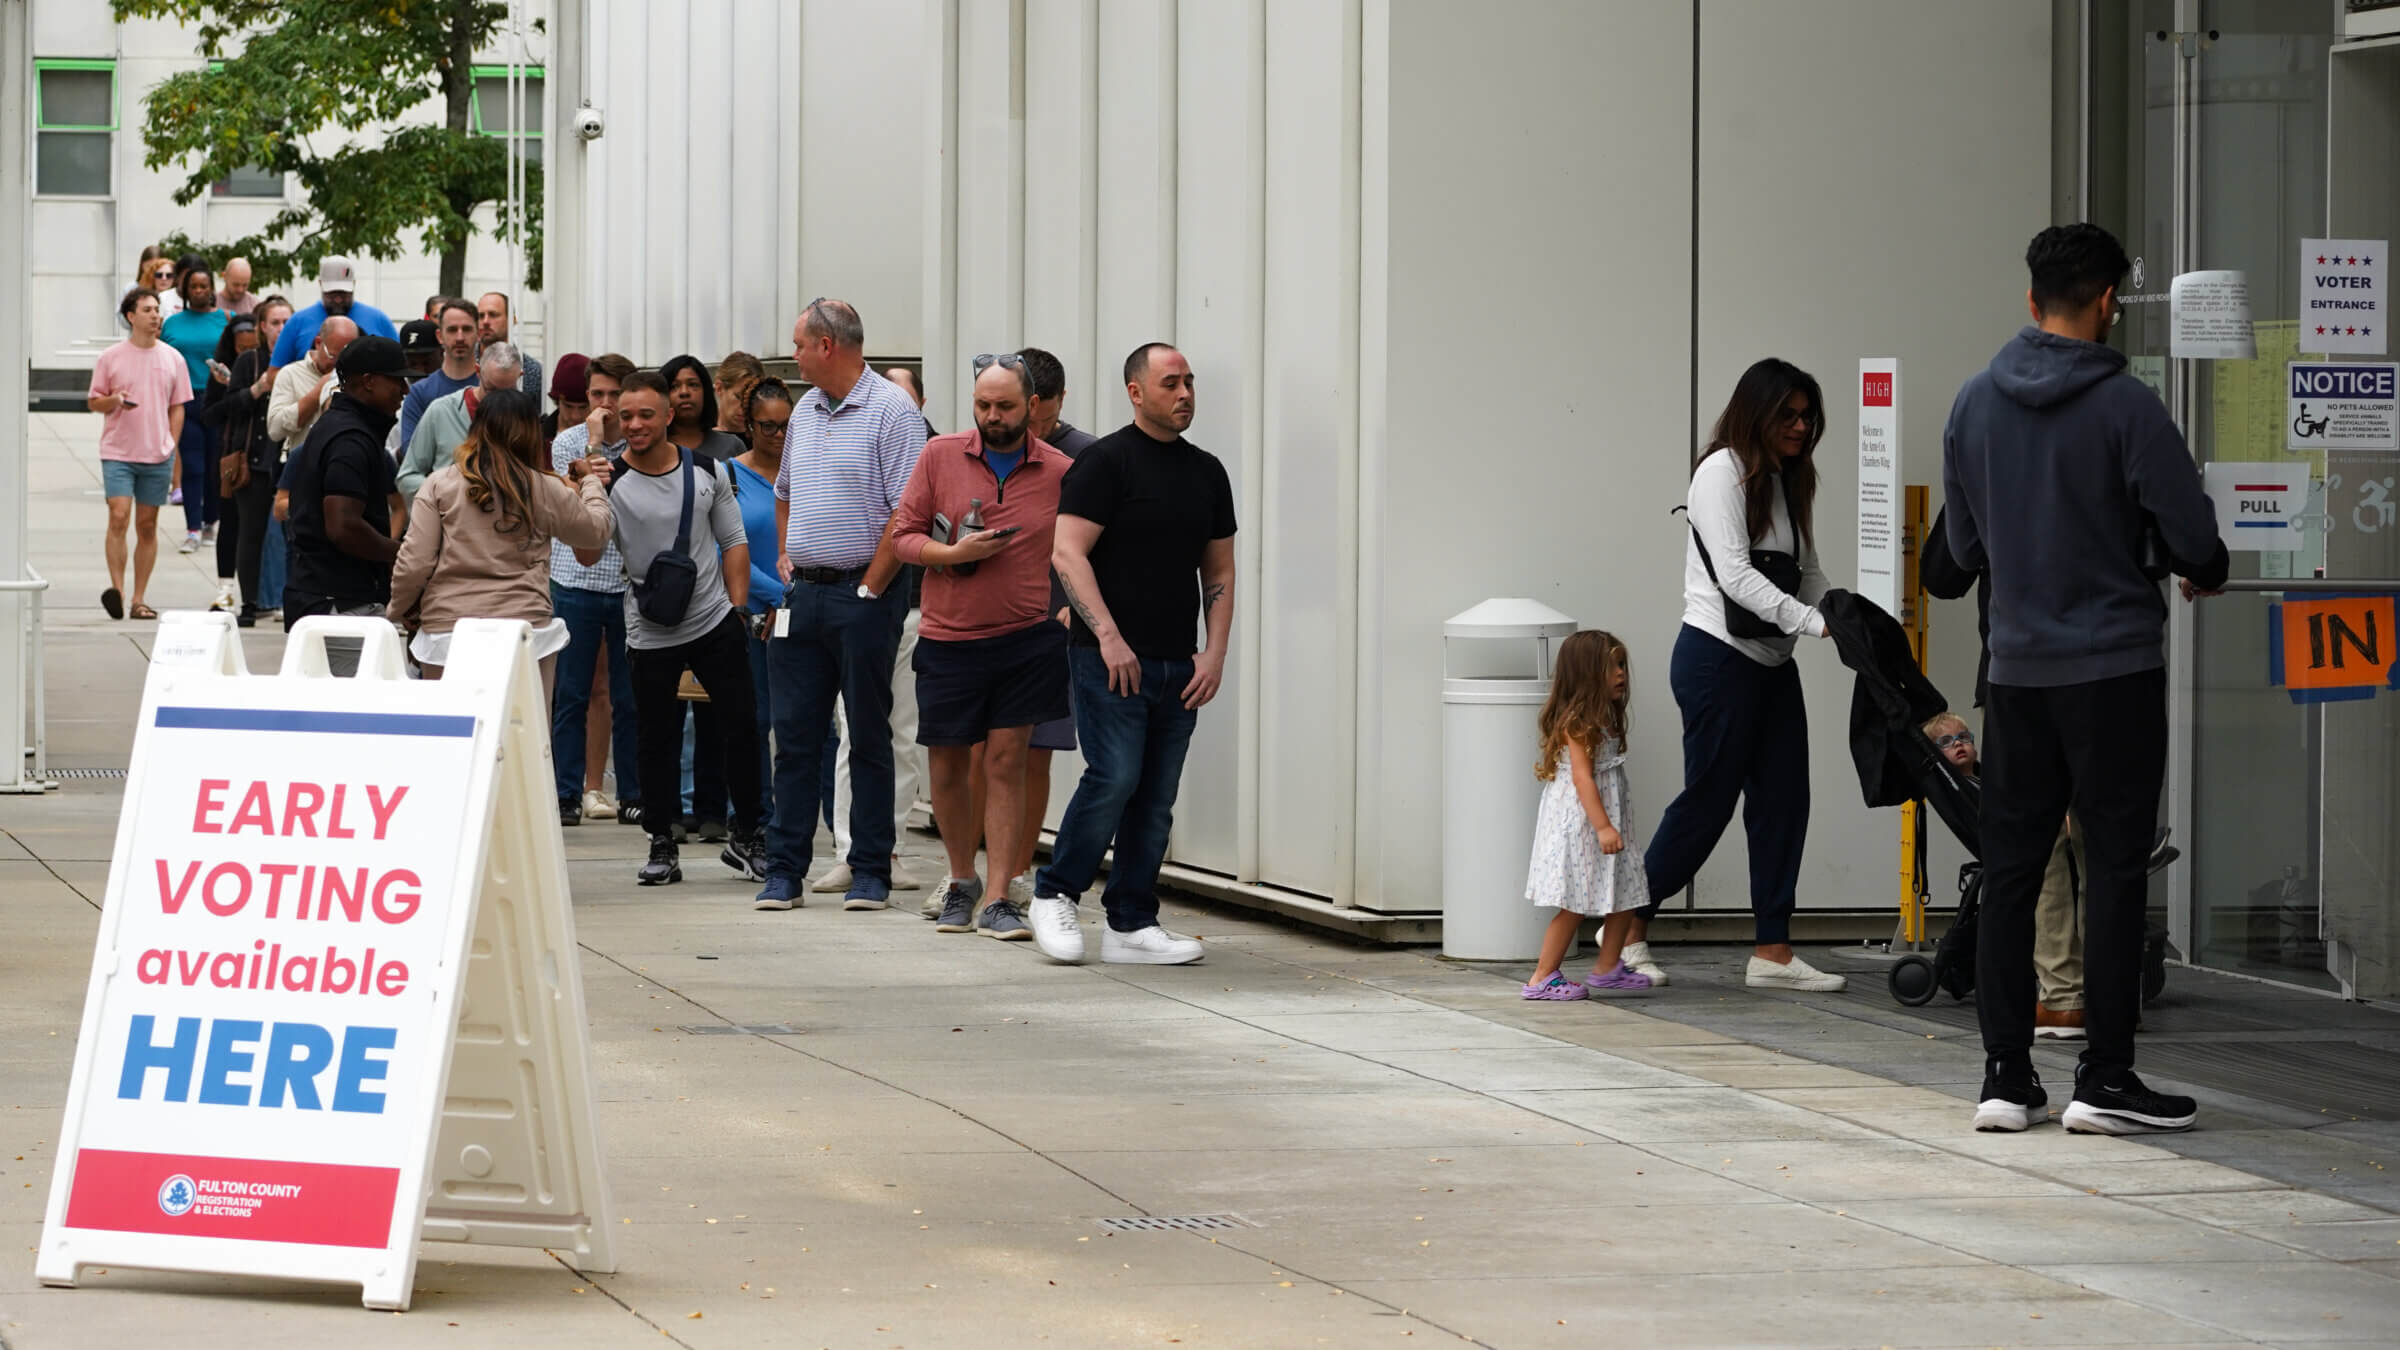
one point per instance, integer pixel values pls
(113, 601)
(141, 611)
(1556, 989)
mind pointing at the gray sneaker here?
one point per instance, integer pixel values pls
(1003, 920)
(958, 896)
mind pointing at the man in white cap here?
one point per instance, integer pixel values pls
(337, 283)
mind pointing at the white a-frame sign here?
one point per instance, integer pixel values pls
(335, 1005)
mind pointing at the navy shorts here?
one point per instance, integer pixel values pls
(966, 689)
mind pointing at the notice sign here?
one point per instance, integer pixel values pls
(2331, 648)
(2342, 407)
(312, 876)
(1882, 519)
(2210, 316)
(2342, 295)
(2259, 506)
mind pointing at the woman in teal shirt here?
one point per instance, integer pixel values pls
(754, 475)
(194, 333)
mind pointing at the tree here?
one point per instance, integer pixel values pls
(283, 72)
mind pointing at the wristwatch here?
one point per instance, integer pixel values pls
(864, 593)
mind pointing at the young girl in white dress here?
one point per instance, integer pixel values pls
(1584, 861)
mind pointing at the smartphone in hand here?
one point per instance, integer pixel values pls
(126, 401)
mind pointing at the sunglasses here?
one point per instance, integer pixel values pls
(1004, 360)
(1965, 738)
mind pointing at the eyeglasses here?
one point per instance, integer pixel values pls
(1005, 360)
(1790, 417)
(1965, 738)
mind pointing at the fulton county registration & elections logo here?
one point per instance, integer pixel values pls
(177, 1194)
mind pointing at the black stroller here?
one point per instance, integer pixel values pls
(1890, 703)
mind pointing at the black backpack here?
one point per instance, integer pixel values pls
(663, 593)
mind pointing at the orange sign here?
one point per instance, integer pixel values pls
(2336, 643)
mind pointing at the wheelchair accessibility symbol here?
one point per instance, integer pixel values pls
(2306, 427)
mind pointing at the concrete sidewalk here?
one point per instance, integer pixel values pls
(1404, 1150)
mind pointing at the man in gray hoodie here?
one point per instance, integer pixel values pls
(2061, 473)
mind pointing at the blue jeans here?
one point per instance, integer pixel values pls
(1745, 739)
(838, 646)
(595, 622)
(271, 564)
(199, 451)
(1133, 748)
(764, 689)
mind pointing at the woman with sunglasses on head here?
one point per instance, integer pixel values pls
(479, 532)
(1750, 589)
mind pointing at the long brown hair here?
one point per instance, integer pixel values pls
(1583, 707)
(502, 453)
(1748, 427)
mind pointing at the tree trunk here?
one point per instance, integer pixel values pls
(458, 92)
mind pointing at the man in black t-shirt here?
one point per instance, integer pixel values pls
(344, 490)
(1145, 551)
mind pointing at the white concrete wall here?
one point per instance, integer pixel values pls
(83, 250)
(758, 154)
(1434, 266)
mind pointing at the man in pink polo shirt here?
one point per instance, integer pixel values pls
(141, 385)
(991, 658)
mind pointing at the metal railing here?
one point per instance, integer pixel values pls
(33, 585)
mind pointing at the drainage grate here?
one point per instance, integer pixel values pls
(740, 1029)
(87, 773)
(1173, 1223)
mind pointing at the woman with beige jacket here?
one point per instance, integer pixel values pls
(479, 532)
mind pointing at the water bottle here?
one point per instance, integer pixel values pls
(969, 524)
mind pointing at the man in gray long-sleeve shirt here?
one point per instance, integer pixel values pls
(2057, 465)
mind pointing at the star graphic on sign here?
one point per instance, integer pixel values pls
(2354, 332)
(2320, 260)
(2366, 332)
(2320, 330)
(2369, 261)
(2354, 262)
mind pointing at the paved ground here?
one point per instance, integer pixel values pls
(1410, 1152)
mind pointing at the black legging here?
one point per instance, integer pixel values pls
(242, 534)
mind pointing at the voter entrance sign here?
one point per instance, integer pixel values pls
(335, 1005)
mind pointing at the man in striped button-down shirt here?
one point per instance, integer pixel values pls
(592, 602)
(852, 444)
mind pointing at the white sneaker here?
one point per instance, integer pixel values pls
(1794, 974)
(1152, 946)
(834, 882)
(598, 805)
(1055, 929)
(191, 542)
(1636, 957)
(225, 602)
(901, 880)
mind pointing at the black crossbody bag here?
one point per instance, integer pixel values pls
(1782, 571)
(663, 593)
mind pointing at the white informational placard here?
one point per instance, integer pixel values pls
(2335, 406)
(2210, 316)
(1882, 502)
(2342, 296)
(2259, 506)
(336, 982)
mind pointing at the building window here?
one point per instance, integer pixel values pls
(488, 114)
(249, 182)
(75, 127)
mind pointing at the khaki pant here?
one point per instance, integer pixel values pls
(2058, 927)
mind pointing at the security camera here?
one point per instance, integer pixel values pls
(589, 124)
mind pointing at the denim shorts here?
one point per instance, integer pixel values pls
(147, 484)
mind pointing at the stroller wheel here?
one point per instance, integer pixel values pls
(1912, 982)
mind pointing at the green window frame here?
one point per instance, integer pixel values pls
(73, 158)
(495, 80)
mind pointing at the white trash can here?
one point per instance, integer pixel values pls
(1491, 734)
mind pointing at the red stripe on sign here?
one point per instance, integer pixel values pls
(2262, 487)
(320, 1204)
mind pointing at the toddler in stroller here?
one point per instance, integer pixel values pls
(1906, 745)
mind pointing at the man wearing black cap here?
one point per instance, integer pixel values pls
(344, 492)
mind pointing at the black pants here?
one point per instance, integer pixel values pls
(242, 534)
(720, 660)
(2099, 749)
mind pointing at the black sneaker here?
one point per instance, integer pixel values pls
(2012, 1098)
(2123, 1105)
(570, 811)
(663, 869)
(629, 813)
(746, 854)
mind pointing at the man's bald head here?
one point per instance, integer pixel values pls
(337, 333)
(235, 280)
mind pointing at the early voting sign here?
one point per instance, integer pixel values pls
(2342, 406)
(335, 1005)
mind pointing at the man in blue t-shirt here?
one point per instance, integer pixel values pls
(457, 332)
(337, 283)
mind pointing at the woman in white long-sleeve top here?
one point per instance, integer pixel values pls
(1750, 589)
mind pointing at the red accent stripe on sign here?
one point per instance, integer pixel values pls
(321, 1204)
(2262, 487)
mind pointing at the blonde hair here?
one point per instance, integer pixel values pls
(1583, 707)
(1946, 724)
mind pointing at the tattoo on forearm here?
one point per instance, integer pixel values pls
(1209, 598)
(1082, 610)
